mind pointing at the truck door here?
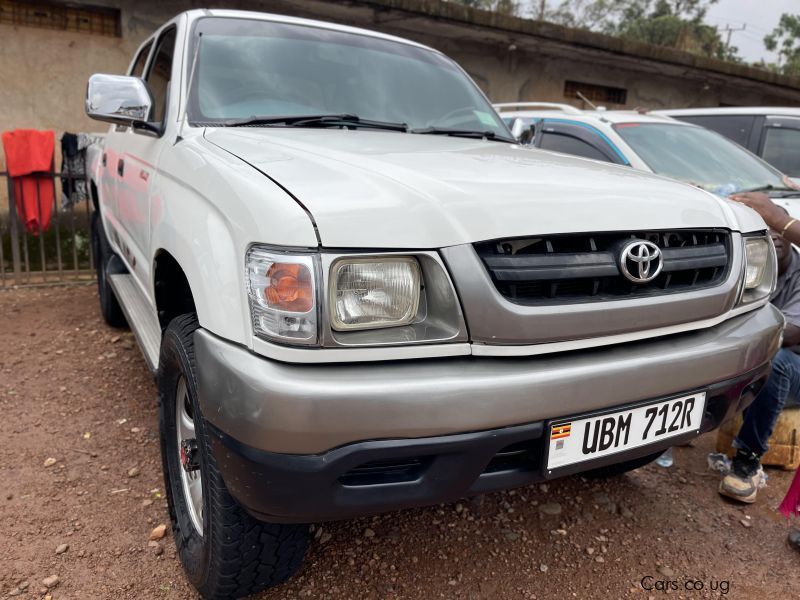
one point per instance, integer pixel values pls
(136, 166)
(112, 148)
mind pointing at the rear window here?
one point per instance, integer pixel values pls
(733, 127)
(782, 150)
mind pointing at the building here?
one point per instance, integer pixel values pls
(50, 47)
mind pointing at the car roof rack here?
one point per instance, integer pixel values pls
(567, 108)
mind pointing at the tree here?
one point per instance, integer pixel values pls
(785, 39)
(503, 7)
(583, 14)
(672, 23)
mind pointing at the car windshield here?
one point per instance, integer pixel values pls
(262, 71)
(699, 156)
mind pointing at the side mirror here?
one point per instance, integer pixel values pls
(522, 132)
(121, 100)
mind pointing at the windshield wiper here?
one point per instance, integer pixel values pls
(331, 120)
(768, 188)
(467, 133)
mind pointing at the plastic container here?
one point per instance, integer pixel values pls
(665, 460)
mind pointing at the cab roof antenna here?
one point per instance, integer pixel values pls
(585, 99)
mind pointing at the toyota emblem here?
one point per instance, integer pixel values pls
(640, 261)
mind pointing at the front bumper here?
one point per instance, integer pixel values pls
(316, 442)
(382, 475)
(309, 409)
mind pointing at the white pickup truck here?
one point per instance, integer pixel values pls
(358, 293)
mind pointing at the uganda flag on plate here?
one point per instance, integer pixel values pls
(558, 432)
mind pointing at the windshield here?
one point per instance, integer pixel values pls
(698, 156)
(259, 69)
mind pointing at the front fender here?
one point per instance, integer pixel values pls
(207, 208)
(210, 268)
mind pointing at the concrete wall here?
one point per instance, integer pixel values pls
(43, 73)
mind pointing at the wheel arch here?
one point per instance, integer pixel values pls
(195, 268)
(172, 292)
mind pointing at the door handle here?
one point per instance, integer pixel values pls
(120, 167)
(105, 159)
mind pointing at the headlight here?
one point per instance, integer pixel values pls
(760, 269)
(282, 294)
(371, 293)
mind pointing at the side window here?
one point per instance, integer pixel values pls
(733, 127)
(138, 67)
(567, 144)
(782, 150)
(160, 72)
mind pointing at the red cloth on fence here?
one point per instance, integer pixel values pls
(28, 152)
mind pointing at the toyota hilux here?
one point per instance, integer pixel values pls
(358, 293)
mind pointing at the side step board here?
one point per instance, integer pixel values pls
(140, 316)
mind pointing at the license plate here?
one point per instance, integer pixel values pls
(593, 437)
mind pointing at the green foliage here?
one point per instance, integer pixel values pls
(583, 14)
(671, 23)
(785, 39)
(503, 7)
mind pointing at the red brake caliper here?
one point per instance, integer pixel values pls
(189, 455)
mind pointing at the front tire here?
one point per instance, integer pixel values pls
(230, 554)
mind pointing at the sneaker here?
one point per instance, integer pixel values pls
(742, 482)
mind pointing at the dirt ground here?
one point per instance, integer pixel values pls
(78, 392)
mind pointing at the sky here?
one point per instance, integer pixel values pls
(759, 17)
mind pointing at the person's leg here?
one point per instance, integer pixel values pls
(759, 423)
(762, 415)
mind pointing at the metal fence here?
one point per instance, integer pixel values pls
(62, 253)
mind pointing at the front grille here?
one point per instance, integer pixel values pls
(584, 267)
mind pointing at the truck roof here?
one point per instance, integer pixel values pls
(195, 14)
(732, 110)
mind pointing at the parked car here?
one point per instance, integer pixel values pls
(358, 293)
(651, 142)
(771, 132)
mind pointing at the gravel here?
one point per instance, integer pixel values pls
(521, 544)
(550, 508)
(158, 532)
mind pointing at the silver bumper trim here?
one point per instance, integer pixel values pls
(308, 409)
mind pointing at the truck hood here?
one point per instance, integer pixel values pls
(376, 189)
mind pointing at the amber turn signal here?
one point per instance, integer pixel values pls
(290, 288)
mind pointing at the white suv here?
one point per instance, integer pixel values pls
(771, 132)
(358, 293)
(651, 142)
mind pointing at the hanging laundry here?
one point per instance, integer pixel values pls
(73, 167)
(29, 159)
